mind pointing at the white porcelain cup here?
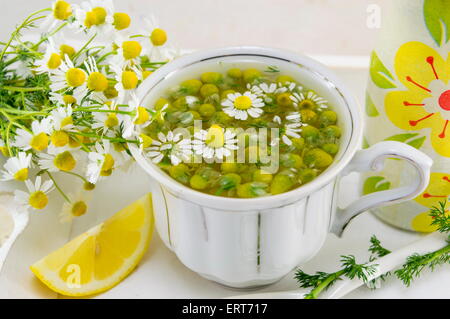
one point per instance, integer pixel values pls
(253, 242)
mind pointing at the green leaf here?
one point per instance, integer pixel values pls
(437, 19)
(379, 74)
(408, 138)
(371, 109)
(375, 184)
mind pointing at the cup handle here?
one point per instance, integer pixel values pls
(373, 159)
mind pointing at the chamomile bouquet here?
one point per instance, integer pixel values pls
(68, 97)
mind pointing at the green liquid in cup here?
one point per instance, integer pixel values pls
(219, 115)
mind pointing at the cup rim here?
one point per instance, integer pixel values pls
(266, 202)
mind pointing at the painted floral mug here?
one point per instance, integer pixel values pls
(253, 242)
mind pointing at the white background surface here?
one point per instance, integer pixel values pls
(320, 27)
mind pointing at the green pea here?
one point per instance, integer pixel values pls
(208, 90)
(262, 176)
(331, 131)
(284, 100)
(317, 158)
(331, 148)
(281, 183)
(253, 189)
(180, 173)
(191, 87)
(207, 110)
(251, 75)
(299, 143)
(234, 73)
(328, 118)
(306, 175)
(284, 78)
(291, 160)
(308, 116)
(212, 77)
(198, 182)
(229, 167)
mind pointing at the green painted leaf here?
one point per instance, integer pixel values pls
(408, 138)
(371, 109)
(437, 19)
(379, 74)
(375, 184)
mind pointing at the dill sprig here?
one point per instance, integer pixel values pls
(411, 269)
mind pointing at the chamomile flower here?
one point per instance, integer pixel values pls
(214, 143)
(61, 11)
(128, 52)
(3, 148)
(37, 139)
(77, 207)
(263, 89)
(62, 99)
(141, 118)
(105, 120)
(127, 81)
(101, 162)
(37, 195)
(171, 145)
(68, 77)
(308, 100)
(58, 159)
(291, 128)
(50, 62)
(95, 16)
(16, 168)
(240, 106)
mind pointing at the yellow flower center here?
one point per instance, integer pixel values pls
(38, 200)
(90, 19)
(69, 99)
(243, 102)
(142, 116)
(146, 74)
(54, 61)
(21, 174)
(65, 161)
(158, 37)
(119, 147)
(59, 138)
(67, 121)
(88, 186)
(97, 82)
(131, 49)
(4, 151)
(121, 20)
(65, 49)
(111, 93)
(79, 209)
(306, 104)
(100, 15)
(111, 120)
(75, 77)
(129, 80)
(215, 137)
(39, 142)
(62, 10)
(108, 164)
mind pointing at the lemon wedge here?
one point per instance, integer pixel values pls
(100, 258)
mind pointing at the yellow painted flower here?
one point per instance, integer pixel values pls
(426, 102)
(438, 190)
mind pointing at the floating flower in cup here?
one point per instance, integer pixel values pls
(101, 162)
(77, 207)
(37, 139)
(16, 168)
(309, 100)
(176, 148)
(96, 16)
(214, 143)
(291, 128)
(240, 106)
(37, 195)
(58, 159)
